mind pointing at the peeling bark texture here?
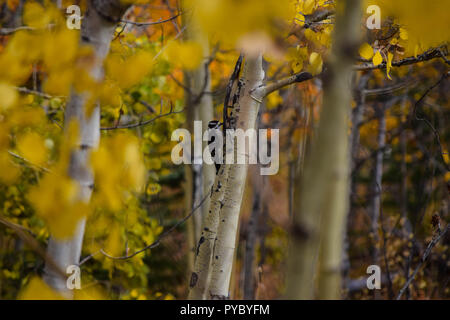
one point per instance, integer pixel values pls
(321, 195)
(97, 30)
(246, 112)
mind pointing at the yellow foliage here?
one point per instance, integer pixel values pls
(56, 200)
(390, 56)
(377, 59)
(113, 245)
(153, 188)
(9, 173)
(187, 54)
(8, 96)
(296, 57)
(366, 51)
(273, 100)
(229, 20)
(37, 289)
(89, 293)
(118, 166)
(32, 147)
(130, 71)
(315, 63)
(35, 15)
(424, 23)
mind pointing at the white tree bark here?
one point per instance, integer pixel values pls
(246, 112)
(203, 253)
(97, 30)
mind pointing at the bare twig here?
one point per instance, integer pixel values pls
(28, 162)
(143, 123)
(427, 252)
(150, 23)
(37, 93)
(9, 31)
(435, 132)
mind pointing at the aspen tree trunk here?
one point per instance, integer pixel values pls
(203, 252)
(97, 30)
(324, 186)
(357, 116)
(251, 236)
(377, 180)
(246, 112)
(199, 177)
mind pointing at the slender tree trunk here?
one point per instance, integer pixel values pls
(377, 180)
(97, 30)
(246, 112)
(251, 237)
(203, 252)
(357, 117)
(324, 186)
(200, 108)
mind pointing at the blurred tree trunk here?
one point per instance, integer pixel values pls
(199, 177)
(357, 117)
(377, 180)
(324, 185)
(97, 31)
(251, 236)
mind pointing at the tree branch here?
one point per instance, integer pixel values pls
(151, 23)
(277, 85)
(430, 54)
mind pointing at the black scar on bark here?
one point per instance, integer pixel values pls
(194, 279)
(202, 239)
(300, 232)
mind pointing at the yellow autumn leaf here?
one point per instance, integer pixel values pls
(377, 59)
(153, 188)
(273, 100)
(390, 56)
(32, 147)
(366, 51)
(315, 63)
(8, 96)
(308, 6)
